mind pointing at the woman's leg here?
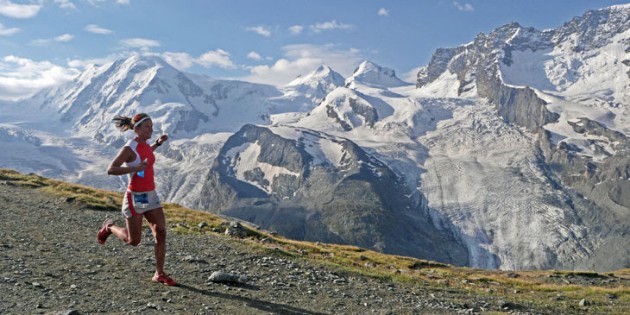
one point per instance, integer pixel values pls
(157, 223)
(132, 234)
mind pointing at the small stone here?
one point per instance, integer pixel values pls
(223, 277)
(584, 302)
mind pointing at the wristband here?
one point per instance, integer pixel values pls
(157, 142)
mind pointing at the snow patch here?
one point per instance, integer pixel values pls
(244, 159)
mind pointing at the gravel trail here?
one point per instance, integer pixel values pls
(50, 263)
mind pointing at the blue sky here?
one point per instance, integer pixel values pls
(47, 42)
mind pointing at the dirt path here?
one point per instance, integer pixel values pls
(50, 263)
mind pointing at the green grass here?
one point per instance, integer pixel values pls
(548, 291)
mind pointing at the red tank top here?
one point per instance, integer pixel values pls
(143, 151)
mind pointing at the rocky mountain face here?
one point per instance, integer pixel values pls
(590, 165)
(308, 185)
(477, 67)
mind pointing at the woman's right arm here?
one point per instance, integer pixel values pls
(125, 155)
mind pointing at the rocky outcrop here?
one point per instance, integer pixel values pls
(351, 198)
(593, 29)
(519, 106)
(607, 181)
(598, 190)
(350, 109)
(478, 64)
(440, 61)
(590, 169)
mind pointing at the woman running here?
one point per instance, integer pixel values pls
(140, 200)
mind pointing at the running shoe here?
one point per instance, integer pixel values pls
(104, 233)
(163, 278)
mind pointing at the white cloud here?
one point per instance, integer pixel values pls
(40, 42)
(302, 59)
(330, 25)
(296, 29)
(93, 28)
(383, 12)
(18, 11)
(47, 41)
(411, 75)
(66, 4)
(254, 56)
(8, 31)
(64, 38)
(179, 60)
(141, 43)
(466, 7)
(96, 2)
(219, 58)
(21, 77)
(260, 30)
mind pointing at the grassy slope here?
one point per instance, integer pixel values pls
(548, 291)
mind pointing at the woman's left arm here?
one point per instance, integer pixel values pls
(159, 142)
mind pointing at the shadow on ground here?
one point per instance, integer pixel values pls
(257, 304)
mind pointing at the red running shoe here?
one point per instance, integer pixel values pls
(104, 233)
(163, 278)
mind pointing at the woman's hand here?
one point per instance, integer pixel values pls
(142, 166)
(160, 141)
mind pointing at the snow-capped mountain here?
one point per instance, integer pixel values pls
(510, 151)
(309, 185)
(317, 84)
(303, 93)
(569, 87)
(369, 73)
(181, 106)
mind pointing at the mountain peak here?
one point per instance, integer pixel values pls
(619, 7)
(318, 83)
(143, 62)
(323, 69)
(370, 73)
(149, 59)
(323, 74)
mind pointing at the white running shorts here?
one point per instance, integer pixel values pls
(135, 203)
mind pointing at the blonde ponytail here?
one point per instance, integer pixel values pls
(125, 123)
